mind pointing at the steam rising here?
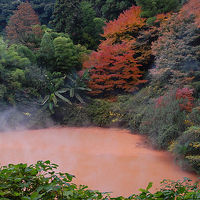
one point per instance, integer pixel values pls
(14, 119)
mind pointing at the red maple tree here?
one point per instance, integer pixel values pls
(24, 26)
(126, 26)
(186, 95)
(113, 68)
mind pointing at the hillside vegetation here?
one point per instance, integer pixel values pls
(133, 64)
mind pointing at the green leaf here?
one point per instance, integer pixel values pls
(36, 196)
(63, 98)
(71, 92)
(79, 98)
(51, 107)
(83, 88)
(47, 162)
(142, 190)
(46, 98)
(70, 78)
(149, 186)
(54, 99)
(68, 193)
(63, 90)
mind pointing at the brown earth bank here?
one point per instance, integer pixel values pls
(106, 159)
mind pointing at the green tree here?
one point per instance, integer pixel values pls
(66, 54)
(47, 53)
(12, 72)
(111, 9)
(44, 8)
(91, 26)
(151, 8)
(78, 19)
(67, 16)
(6, 10)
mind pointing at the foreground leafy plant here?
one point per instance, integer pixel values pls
(40, 181)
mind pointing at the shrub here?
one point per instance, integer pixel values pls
(40, 181)
(187, 146)
(72, 115)
(163, 122)
(99, 112)
(132, 107)
(194, 116)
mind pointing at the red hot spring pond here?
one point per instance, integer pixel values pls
(109, 160)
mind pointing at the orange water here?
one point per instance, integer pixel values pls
(104, 159)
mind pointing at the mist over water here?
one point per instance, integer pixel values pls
(110, 160)
(13, 119)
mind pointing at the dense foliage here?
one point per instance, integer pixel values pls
(24, 26)
(153, 7)
(113, 69)
(111, 9)
(79, 20)
(40, 181)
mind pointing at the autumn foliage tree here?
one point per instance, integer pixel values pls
(127, 26)
(131, 27)
(113, 69)
(178, 45)
(24, 26)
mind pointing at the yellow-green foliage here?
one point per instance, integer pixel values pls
(65, 53)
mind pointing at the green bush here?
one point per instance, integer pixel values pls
(40, 181)
(163, 123)
(194, 116)
(133, 107)
(99, 112)
(72, 115)
(187, 147)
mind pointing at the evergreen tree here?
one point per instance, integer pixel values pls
(91, 26)
(66, 54)
(151, 8)
(6, 10)
(44, 8)
(24, 26)
(111, 9)
(67, 16)
(47, 52)
(78, 19)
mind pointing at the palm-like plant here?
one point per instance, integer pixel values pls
(52, 99)
(76, 85)
(58, 90)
